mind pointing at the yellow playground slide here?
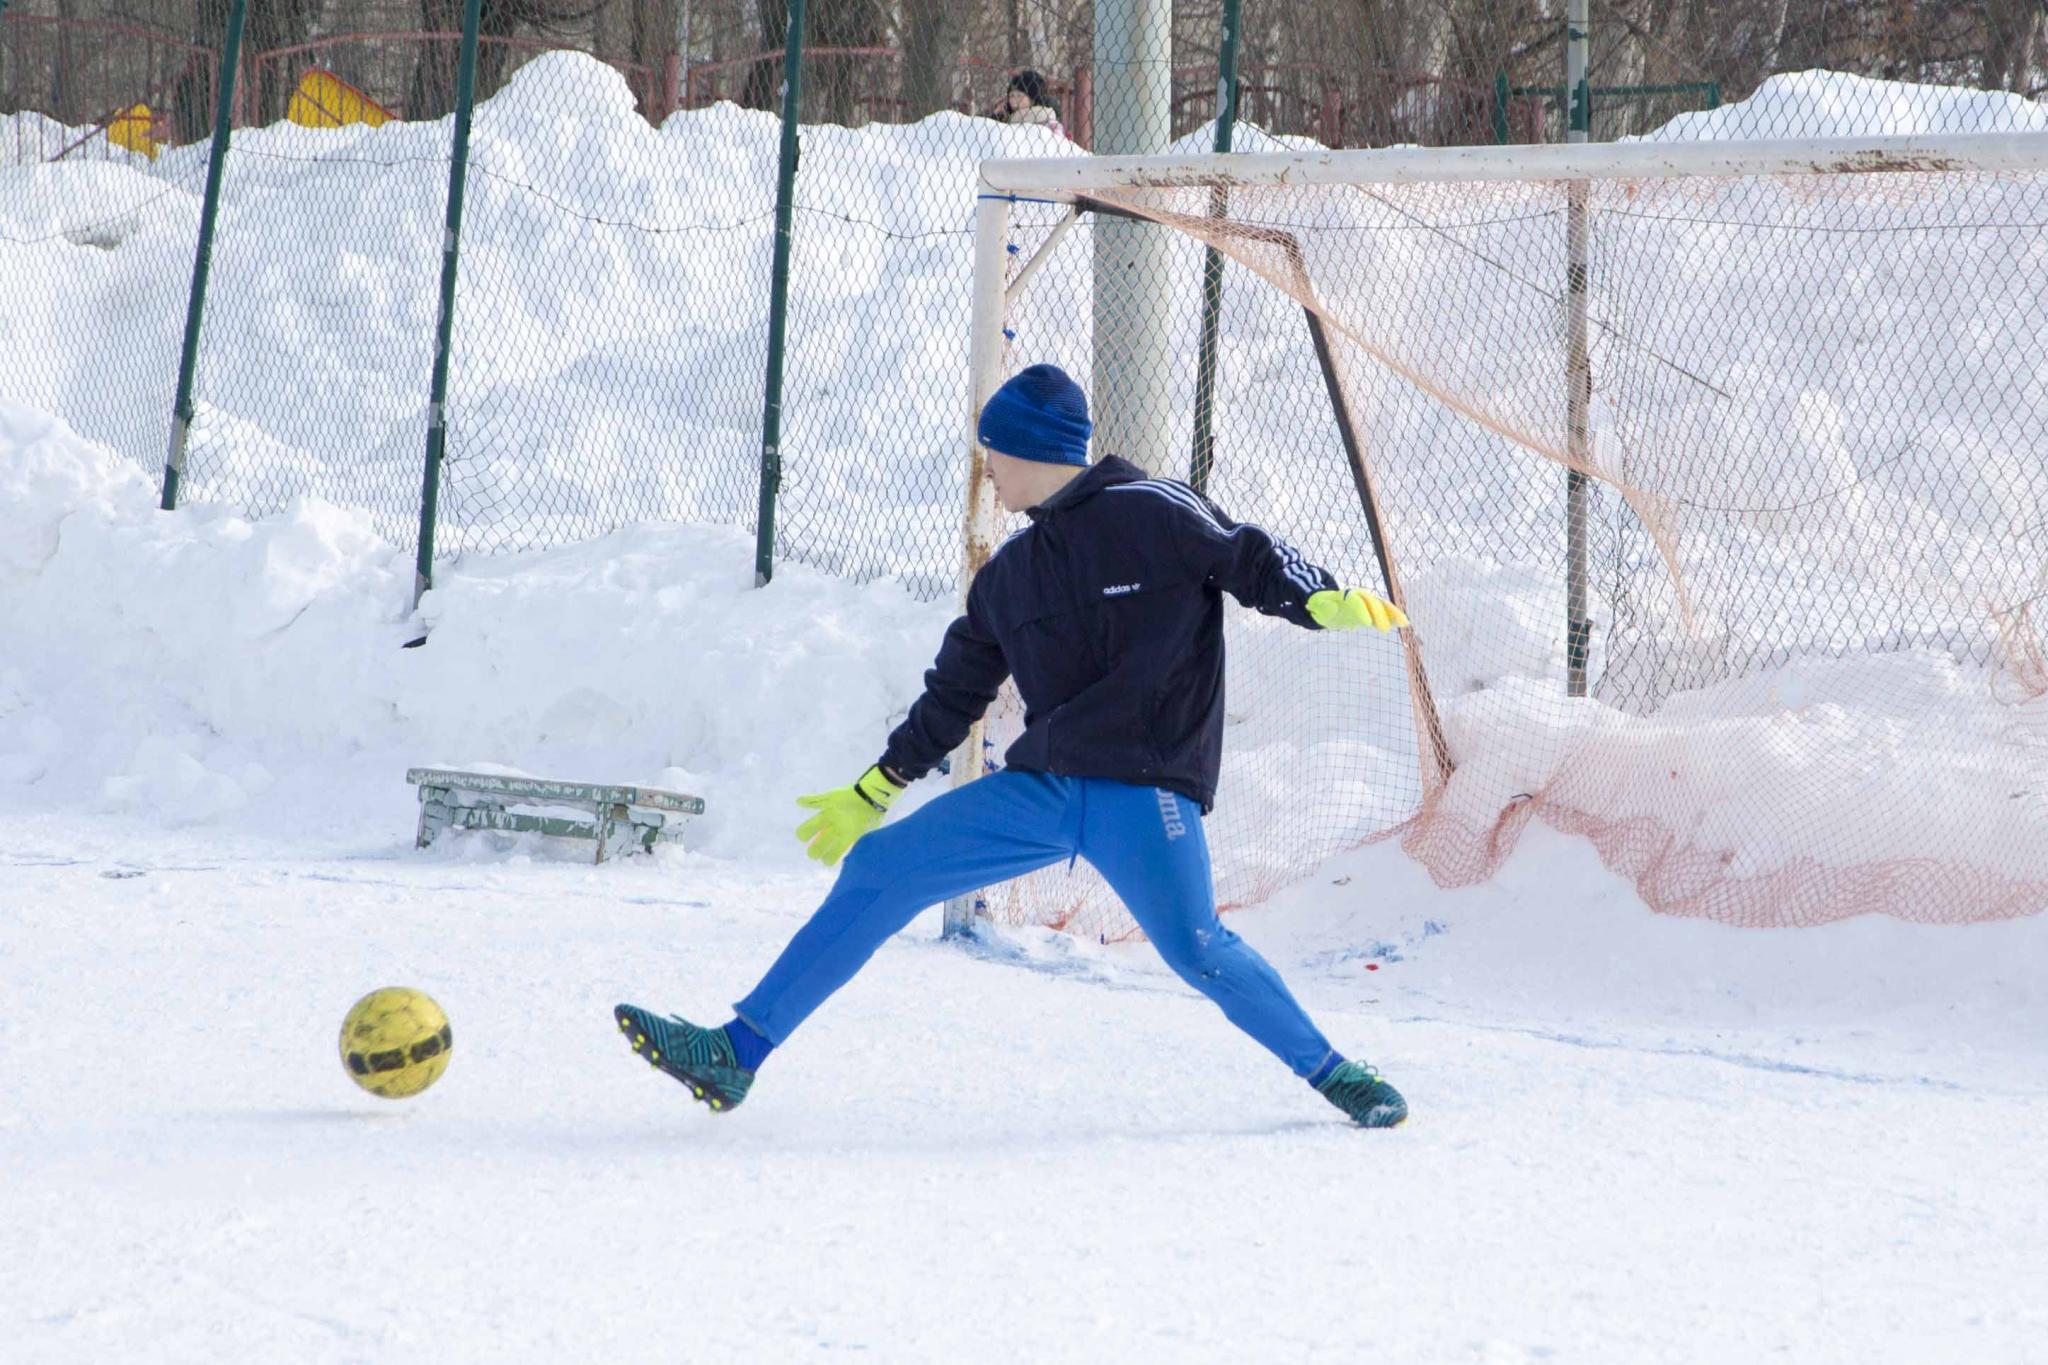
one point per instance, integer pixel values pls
(322, 100)
(325, 100)
(134, 128)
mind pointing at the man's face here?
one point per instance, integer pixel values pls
(1007, 472)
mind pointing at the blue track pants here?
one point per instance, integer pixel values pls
(1147, 843)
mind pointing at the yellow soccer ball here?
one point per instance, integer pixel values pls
(395, 1042)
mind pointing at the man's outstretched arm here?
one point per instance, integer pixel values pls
(958, 688)
(1267, 574)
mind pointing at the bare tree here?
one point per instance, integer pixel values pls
(2015, 46)
(764, 78)
(1351, 71)
(434, 77)
(931, 31)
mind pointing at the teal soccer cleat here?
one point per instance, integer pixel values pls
(701, 1058)
(1358, 1090)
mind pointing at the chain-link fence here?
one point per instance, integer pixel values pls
(878, 388)
(611, 341)
(312, 365)
(98, 216)
(611, 315)
(611, 320)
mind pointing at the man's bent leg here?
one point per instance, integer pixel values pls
(1148, 844)
(995, 828)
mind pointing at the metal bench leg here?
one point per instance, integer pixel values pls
(435, 815)
(611, 822)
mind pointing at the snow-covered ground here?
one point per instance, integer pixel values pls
(1636, 1138)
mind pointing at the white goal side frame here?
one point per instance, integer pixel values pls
(1073, 180)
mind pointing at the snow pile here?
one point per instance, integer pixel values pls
(610, 339)
(28, 138)
(1803, 104)
(184, 665)
(610, 323)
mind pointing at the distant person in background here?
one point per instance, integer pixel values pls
(1027, 102)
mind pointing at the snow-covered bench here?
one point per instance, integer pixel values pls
(619, 818)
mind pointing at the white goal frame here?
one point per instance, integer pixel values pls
(1074, 180)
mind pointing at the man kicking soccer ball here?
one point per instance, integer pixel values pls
(1108, 611)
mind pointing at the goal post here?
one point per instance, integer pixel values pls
(1792, 381)
(1068, 179)
(985, 360)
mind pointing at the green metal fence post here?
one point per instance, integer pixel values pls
(1713, 94)
(1212, 262)
(1500, 108)
(778, 298)
(202, 260)
(444, 334)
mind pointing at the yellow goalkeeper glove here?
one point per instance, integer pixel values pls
(1352, 608)
(845, 814)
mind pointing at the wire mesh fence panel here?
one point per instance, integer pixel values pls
(96, 266)
(610, 321)
(98, 221)
(339, 80)
(876, 403)
(1626, 111)
(879, 208)
(1741, 43)
(1817, 555)
(1616, 112)
(313, 364)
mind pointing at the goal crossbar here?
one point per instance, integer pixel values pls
(1066, 178)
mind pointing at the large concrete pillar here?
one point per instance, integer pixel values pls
(1130, 395)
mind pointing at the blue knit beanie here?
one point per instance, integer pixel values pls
(1040, 414)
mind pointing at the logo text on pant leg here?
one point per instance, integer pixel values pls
(1169, 814)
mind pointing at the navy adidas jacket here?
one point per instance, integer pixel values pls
(1108, 611)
